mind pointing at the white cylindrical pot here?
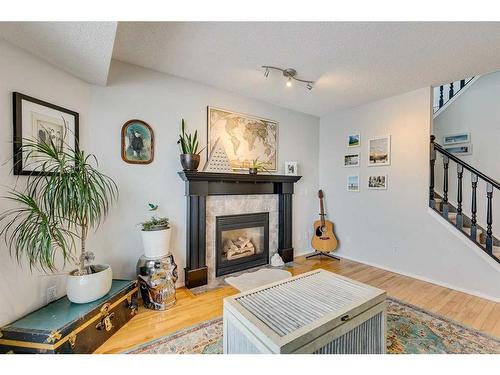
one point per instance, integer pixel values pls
(88, 288)
(156, 243)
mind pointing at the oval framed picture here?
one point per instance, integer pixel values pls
(137, 142)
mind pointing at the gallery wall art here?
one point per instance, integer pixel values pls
(291, 168)
(354, 140)
(245, 138)
(353, 183)
(379, 151)
(377, 182)
(43, 122)
(137, 142)
(351, 160)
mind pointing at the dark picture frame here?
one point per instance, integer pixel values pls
(125, 156)
(19, 122)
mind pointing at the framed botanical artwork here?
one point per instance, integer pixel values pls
(452, 139)
(245, 138)
(138, 142)
(291, 168)
(353, 182)
(354, 140)
(377, 182)
(379, 151)
(351, 160)
(460, 149)
(40, 121)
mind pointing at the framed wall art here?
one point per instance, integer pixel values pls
(137, 142)
(354, 140)
(40, 121)
(379, 151)
(353, 182)
(452, 139)
(378, 182)
(460, 149)
(351, 160)
(245, 138)
(291, 168)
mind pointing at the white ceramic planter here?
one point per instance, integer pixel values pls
(156, 243)
(88, 288)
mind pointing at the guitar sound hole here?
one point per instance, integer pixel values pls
(319, 231)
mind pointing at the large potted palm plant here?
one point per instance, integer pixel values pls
(64, 198)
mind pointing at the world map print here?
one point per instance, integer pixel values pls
(245, 138)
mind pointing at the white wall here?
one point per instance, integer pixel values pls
(394, 228)
(20, 290)
(161, 101)
(474, 111)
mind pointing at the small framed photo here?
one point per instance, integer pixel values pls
(291, 168)
(465, 149)
(377, 182)
(351, 160)
(353, 182)
(452, 139)
(137, 142)
(379, 151)
(42, 122)
(354, 140)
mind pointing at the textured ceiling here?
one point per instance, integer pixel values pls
(353, 63)
(82, 49)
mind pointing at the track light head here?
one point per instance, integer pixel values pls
(289, 82)
(266, 73)
(309, 86)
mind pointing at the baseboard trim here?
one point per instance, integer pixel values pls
(422, 278)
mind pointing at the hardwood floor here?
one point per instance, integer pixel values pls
(190, 309)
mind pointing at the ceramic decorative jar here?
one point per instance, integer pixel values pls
(157, 277)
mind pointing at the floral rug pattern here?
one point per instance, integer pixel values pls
(410, 330)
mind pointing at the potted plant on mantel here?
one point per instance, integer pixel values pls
(155, 235)
(65, 197)
(255, 166)
(190, 157)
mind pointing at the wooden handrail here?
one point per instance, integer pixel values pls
(467, 166)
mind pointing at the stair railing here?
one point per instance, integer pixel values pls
(451, 90)
(491, 184)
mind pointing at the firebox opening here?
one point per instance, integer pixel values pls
(242, 242)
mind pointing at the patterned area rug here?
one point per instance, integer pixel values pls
(410, 330)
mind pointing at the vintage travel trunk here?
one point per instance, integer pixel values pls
(65, 327)
(316, 312)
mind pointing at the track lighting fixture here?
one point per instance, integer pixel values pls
(290, 74)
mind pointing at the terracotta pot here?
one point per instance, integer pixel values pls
(190, 162)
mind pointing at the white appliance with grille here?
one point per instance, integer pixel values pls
(315, 312)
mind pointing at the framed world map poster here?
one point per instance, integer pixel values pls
(245, 138)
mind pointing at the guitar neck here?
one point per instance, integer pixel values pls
(322, 211)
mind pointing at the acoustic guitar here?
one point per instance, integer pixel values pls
(324, 240)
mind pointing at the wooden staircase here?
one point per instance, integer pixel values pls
(467, 225)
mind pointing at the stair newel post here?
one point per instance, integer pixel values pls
(441, 96)
(460, 218)
(451, 92)
(473, 228)
(446, 164)
(432, 202)
(489, 219)
(462, 83)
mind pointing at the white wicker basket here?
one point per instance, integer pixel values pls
(315, 312)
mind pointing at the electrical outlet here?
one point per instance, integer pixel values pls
(51, 293)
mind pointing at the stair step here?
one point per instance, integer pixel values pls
(496, 251)
(481, 238)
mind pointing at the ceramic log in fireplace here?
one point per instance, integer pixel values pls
(199, 185)
(242, 242)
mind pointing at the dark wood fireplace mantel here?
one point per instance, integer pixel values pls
(199, 185)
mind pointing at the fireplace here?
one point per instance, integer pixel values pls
(242, 242)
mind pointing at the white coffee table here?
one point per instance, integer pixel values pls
(315, 312)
